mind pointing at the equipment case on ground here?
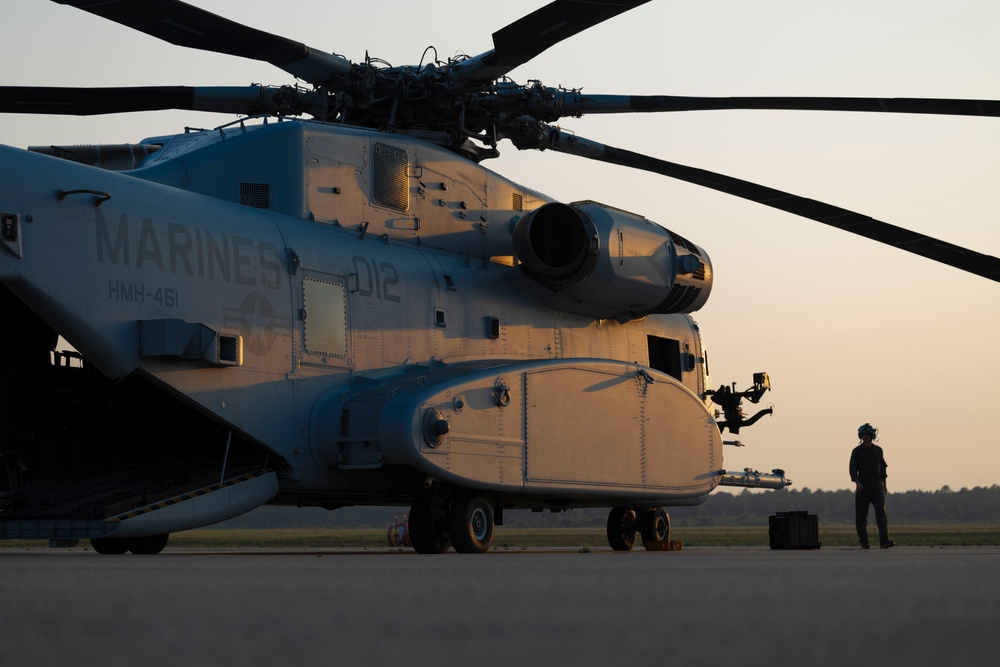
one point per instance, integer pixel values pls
(794, 530)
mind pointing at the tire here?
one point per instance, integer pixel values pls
(621, 529)
(109, 545)
(147, 545)
(470, 524)
(654, 526)
(427, 528)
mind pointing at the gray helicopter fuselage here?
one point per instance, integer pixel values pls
(350, 302)
(352, 310)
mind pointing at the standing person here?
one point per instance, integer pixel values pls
(868, 474)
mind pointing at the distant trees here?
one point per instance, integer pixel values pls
(977, 505)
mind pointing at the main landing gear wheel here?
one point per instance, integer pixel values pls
(621, 529)
(470, 524)
(109, 545)
(654, 526)
(147, 545)
(428, 527)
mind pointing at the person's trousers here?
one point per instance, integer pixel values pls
(874, 497)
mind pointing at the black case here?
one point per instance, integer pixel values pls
(794, 530)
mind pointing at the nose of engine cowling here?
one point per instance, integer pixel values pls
(603, 262)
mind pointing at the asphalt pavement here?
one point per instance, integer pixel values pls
(704, 606)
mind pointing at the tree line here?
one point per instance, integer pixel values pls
(748, 508)
(944, 506)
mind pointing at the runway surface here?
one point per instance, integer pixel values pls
(739, 606)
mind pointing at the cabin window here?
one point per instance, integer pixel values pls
(324, 316)
(665, 355)
(391, 187)
(492, 327)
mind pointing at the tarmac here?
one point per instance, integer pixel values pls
(697, 606)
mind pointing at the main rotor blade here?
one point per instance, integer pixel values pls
(986, 266)
(248, 100)
(184, 25)
(573, 103)
(530, 35)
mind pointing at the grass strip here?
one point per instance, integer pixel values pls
(524, 538)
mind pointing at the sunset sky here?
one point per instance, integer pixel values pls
(850, 331)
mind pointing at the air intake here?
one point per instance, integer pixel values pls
(390, 185)
(257, 195)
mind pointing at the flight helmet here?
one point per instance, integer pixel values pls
(867, 429)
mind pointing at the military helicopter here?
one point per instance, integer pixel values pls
(352, 310)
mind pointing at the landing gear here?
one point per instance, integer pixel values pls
(470, 524)
(654, 526)
(439, 520)
(146, 545)
(108, 545)
(429, 525)
(621, 529)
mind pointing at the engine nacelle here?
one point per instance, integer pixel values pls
(593, 260)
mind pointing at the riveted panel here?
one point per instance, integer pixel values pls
(569, 441)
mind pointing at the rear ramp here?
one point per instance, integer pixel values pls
(56, 512)
(201, 507)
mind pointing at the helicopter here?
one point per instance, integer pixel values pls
(352, 310)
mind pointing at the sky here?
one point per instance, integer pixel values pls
(849, 331)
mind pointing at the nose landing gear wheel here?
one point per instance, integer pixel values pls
(621, 529)
(471, 524)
